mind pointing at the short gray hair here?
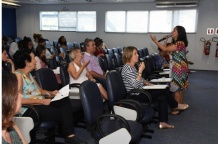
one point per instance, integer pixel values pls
(71, 54)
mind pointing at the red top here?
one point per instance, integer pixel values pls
(97, 52)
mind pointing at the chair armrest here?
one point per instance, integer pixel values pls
(120, 120)
(74, 85)
(132, 105)
(142, 91)
(152, 77)
(33, 113)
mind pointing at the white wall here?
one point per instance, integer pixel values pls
(28, 24)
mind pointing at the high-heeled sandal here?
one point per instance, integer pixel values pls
(186, 106)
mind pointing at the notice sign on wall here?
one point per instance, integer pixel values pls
(210, 31)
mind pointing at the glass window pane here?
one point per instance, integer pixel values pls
(137, 21)
(115, 21)
(86, 21)
(48, 20)
(160, 21)
(186, 18)
(67, 21)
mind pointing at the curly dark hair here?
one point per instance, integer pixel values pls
(20, 57)
(9, 98)
(60, 41)
(181, 35)
(98, 41)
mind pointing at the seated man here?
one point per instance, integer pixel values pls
(93, 66)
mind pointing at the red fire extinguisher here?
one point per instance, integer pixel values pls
(216, 52)
(207, 47)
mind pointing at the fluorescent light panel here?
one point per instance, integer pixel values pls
(10, 3)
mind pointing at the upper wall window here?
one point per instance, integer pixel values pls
(115, 21)
(130, 21)
(67, 21)
(48, 20)
(137, 21)
(81, 21)
(162, 21)
(185, 18)
(86, 21)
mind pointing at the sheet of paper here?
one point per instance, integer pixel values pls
(162, 80)
(57, 70)
(165, 72)
(166, 69)
(155, 87)
(63, 92)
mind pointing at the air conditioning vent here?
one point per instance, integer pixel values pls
(176, 3)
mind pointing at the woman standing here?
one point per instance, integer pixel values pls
(11, 105)
(180, 68)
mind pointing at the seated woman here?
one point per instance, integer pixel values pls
(59, 111)
(5, 61)
(28, 44)
(62, 43)
(161, 61)
(133, 80)
(41, 61)
(36, 38)
(99, 50)
(79, 73)
(11, 105)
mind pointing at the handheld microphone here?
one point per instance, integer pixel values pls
(165, 38)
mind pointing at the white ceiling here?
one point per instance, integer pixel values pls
(73, 1)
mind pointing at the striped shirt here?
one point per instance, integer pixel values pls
(129, 77)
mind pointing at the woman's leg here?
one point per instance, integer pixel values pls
(172, 102)
(63, 107)
(103, 92)
(177, 96)
(181, 96)
(163, 107)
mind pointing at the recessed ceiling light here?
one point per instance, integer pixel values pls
(119, 0)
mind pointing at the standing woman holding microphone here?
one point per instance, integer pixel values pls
(180, 68)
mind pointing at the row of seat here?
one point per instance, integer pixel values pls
(93, 110)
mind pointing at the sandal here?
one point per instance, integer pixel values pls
(175, 112)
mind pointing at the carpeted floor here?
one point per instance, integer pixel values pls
(197, 125)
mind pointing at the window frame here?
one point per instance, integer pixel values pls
(76, 29)
(148, 26)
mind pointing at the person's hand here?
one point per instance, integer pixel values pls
(166, 38)
(141, 67)
(149, 84)
(85, 64)
(9, 61)
(54, 93)
(46, 101)
(93, 80)
(153, 37)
